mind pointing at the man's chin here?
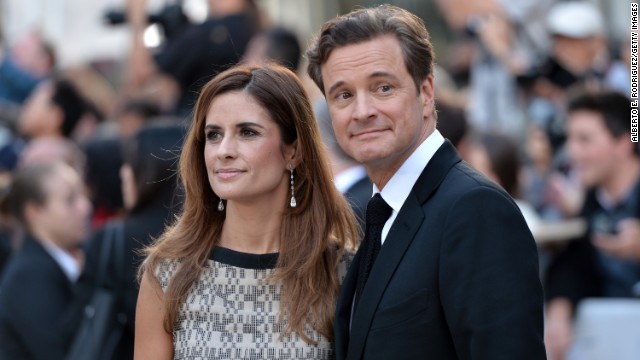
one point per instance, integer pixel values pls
(370, 158)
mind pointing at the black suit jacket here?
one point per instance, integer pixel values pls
(139, 229)
(358, 196)
(456, 278)
(34, 299)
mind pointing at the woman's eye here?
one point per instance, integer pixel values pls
(248, 132)
(212, 135)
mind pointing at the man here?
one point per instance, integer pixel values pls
(23, 66)
(579, 58)
(456, 276)
(606, 262)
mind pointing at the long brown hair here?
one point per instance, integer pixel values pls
(314, 234)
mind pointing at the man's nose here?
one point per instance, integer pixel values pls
(363, 108)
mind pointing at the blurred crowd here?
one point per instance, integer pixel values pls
(533, 93)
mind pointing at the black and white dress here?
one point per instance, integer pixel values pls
(232, 312)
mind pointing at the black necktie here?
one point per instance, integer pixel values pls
(378, 211)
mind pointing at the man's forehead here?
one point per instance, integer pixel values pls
(369, 60)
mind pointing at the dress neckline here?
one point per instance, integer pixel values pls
(244, 260)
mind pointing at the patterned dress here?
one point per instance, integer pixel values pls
(232, 312)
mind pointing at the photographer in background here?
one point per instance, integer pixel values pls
(606, 262)
(194, 55)
(508, 37)
(578, 58)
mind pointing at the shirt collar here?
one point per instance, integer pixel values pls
(67, 263)
(607, 203)
(399, 186)
(347, 178)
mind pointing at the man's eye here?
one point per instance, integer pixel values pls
(385, 88)
(343, 95)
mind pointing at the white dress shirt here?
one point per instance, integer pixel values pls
(396, 191)
(67, 263)
(347, 178)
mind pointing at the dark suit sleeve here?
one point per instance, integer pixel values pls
(489, 283)
(36, 311)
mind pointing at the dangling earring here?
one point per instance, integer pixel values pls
(293, 199)
(220, 206)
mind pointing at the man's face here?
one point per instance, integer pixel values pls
(575, 54)
(378, 115)
(593, 150)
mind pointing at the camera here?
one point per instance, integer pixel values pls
(171, 19)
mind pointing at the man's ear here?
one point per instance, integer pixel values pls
(427, 94)
(32, 212)
(626, 147)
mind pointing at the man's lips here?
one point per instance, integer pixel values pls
(368, 133)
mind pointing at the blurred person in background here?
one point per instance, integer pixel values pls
(578, 58)
(57, 109)
(51, 149)
(104, 159)
(498, 157)
(195, 55)
(37, 152)
(149, 187)
(606, 262)
(619, 73)
(37, 285)
(453, 124)
(541, 165)
(276, 44)
(509, 37)
(23, 66)
(134, 114)
(257, 255)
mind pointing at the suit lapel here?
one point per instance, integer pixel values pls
(398, 239)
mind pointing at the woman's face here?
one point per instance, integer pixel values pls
(65, 214)
(245, 158)
(40, 116)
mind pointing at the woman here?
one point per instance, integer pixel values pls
(36, 289)
(252, 266)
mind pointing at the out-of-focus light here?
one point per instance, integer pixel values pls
(196, 10)
(152, 36)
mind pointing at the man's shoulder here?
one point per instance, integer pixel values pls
(465, 178)
(462, 181)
